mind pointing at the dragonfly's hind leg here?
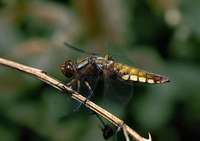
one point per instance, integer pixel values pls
(89, 95)
(78, 86)
(90, 91)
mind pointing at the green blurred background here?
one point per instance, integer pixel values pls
(161, 36)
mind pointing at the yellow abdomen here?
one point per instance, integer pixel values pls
(132, 74)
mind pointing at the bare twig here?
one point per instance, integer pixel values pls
(40, 74)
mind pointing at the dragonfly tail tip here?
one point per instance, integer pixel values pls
(164, 80)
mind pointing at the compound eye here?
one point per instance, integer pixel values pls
(68, 69)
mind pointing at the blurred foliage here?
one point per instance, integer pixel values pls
(161, 36)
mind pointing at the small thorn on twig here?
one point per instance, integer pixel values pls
(149, 139)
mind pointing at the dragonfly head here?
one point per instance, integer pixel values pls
(68, 68)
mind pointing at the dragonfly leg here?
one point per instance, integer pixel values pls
(70, 84)
(78, 85)
(90, 90)
(74, 83)
(89, 95)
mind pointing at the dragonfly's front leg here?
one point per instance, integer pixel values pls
(70, 84)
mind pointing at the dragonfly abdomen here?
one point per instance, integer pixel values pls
(133, 74)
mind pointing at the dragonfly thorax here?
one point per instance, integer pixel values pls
(104, 62)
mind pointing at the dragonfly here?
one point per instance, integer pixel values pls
(95, 66)
(87, 71)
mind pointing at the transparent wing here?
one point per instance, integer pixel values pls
(116, 94)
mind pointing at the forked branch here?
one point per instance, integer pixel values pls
(42, 75)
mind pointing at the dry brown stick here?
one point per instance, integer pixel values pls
(40, 74)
